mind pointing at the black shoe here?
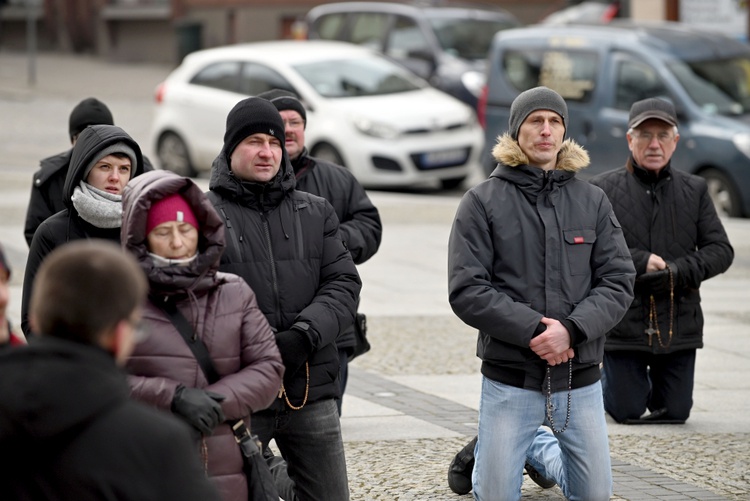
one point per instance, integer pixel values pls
(537, 477)
(459, 472)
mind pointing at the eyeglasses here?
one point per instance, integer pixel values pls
(293, 124)
(647, 137)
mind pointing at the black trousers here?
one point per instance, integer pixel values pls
(636, 381)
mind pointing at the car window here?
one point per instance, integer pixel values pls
(328, 27)
(257, 78)
(717, 86)
(467, 38)
(406, 39)
(368, 29)
(224, 75)
(635, 81)
(357, 77)
(571, 73)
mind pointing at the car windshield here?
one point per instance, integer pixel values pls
(357, 77)
(718, 86)
(467, 38)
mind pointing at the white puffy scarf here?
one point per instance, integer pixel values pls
(162, 262)
(100, 208)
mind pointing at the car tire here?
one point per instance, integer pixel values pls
(723, 193)
(173, 155)
(452, 183)
(327, 152)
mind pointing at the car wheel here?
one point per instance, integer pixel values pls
(723, 193)
(327, 152)
(452, 183)
(173, 155)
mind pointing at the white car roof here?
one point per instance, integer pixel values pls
(288, 51)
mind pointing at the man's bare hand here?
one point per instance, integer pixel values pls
(553, 345)
(655, 263)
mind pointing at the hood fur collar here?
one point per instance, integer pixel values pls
(572, 157)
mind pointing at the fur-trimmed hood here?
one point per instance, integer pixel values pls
(572, 157)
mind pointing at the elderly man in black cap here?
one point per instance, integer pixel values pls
(287, 246)
(676, 241)
(537, 263)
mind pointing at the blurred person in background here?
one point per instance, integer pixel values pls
(104, 159)
(359, 220)
(676, 241)
(7, 336)
(68, 428)
(178, 238)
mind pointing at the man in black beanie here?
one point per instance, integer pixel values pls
(287, 246)
(359, 219)
(47, 186)
(538, 264)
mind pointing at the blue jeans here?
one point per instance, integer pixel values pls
(310, 441)
(510, 434)
(634, 381)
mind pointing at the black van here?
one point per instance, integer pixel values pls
(601, 70)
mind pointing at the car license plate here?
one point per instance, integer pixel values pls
(442, 158)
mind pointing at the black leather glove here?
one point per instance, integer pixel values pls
(655, 282)
(295, 349)
(200, 408)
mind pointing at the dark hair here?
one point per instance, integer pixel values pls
(84, 288)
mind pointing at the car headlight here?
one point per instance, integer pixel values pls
(742, 142)
(473, 81)
(375, 129)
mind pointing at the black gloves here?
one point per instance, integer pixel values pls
(295, 348)
(658, 282)
(200, 408)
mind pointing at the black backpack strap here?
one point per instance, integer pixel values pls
(196, 344)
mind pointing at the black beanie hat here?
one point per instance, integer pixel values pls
(285, 100)
(252, 116)
(529, 101)
(90, 111)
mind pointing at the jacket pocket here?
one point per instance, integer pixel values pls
(578, 248)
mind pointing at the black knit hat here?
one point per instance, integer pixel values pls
(90, 111)
(538, 98)
(285, 100)
(653, 107)
(252, 116)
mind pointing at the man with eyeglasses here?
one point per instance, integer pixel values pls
(677, 241)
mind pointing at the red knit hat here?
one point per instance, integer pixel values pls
(171, 208)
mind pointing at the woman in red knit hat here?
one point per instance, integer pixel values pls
(178, 238)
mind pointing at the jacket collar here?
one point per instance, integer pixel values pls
(571, 158)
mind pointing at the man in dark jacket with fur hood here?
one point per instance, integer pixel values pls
(538, 264)
(676, 241)
(104, 159)
(286, 245)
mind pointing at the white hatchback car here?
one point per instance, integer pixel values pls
(363, 111)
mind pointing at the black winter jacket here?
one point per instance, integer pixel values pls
(287, 246)
(673, 217)
(67, 225)
(359, 220)
(527, 243)
(47, 191)
(69, 431)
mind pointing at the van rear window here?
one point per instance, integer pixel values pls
(572, 74)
